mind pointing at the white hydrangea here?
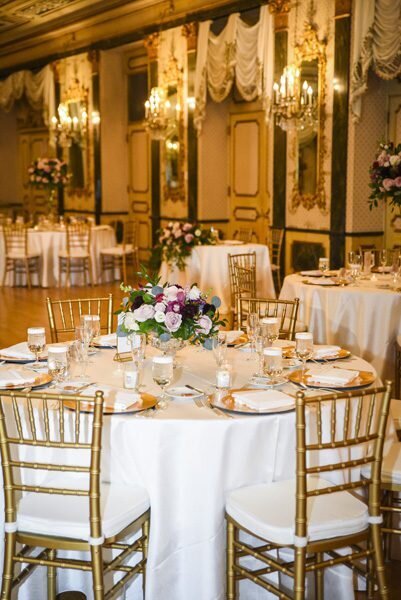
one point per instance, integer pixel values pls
(194, 293)
(160, 316)
(130, 322)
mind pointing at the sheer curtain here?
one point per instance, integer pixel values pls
(240, 53)
(376, 45)
(38, 89)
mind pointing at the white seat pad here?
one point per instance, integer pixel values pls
(395, 411)
(68, 516)
(118, 250)
(391, 468)
(75, 253)
(268, 511)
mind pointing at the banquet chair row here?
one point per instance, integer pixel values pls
(64, 315)
(275, 240)
(18, 259)
(117, 257)
(72, 508)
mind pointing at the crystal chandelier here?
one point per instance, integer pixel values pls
(69, 129)
(294, 106)
(157, 113)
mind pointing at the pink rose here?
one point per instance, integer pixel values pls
(143, 313)
(173, 321)
(171, 293)
(178, 233)
(388, 184)
(188, 238)
(204, 324)
(397, 181)
(187, 227)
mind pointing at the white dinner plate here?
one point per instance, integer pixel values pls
(183, 392)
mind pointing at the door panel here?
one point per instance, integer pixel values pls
(393, 218)
(32, 145)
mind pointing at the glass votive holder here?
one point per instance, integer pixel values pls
(323, 264)
(132, 376)
(58, 362)
(224, 376)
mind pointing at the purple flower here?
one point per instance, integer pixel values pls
(144, 312)
(204, 324)
(137, 302)
(181, 297)
(173, 321)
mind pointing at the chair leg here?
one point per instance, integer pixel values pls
(124, 262)
(28, 273)
(8, 566)
(387, 516)
(51, 577)
(319, 579)
(379, 560)
(299, 579)
(90, 272)
(231, 588)
(145, 532)
(68, 275)
(5, 272)
(97, 572)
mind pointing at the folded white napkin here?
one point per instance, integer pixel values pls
(114, 398)
(15, 377)
(322, 281)
(329, 374)
(320, 351)
(260, 400)
(109, 339)
(314, 273)
(232, 335)
(20, 350)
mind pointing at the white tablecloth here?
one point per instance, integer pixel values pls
(188, 458)
(365, 319)
(49, 243)
(208, 267)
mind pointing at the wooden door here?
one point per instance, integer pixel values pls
(248, 180)
(32, 144)
(139, 186)
(392, 234)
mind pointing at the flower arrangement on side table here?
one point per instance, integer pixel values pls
(177, 240)
(50, 173)
(385, 175)
(169, 312)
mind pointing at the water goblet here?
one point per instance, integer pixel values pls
(162, 373)
(323, 264)
(355, 264)
(219, 347)
(83, 338)
(138, 346)
(259, 347)
(36, 340)
(383, 259)
(270, 329)
(252, 328)
(368, 261)
(57, 362)
(273, 363)
(304, 348)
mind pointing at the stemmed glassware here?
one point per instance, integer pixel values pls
(270, 329)
(162, 373)
(323, 264)
(273, 363)
(355, 264)
(304, 348)
(259, 347)
(219, 347)
(383, 259)
(36, 340)
(57, 362)
(138, 347)
(83, 339)
(368, 261)
(252, 329)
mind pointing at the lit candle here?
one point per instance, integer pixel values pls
(310, 95)
(276, 92)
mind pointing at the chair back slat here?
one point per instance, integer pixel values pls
(285, 310)
(245, 260)
(39, 420)
(334, 422)
(130, 233)
(64, 315)
(15, 239)
(78, 237)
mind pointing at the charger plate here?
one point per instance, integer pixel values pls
(342, 353)
(228, 404)
(241, 339)
(147, 401)
(363, 379)
(40, 379)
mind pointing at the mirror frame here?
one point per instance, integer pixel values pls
(311, 48)
(172, 76)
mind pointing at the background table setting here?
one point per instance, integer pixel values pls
(189, 454)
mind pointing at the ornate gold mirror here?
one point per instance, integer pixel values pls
(309, 143)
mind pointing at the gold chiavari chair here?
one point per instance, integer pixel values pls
(117, 256)
(86, 514)
(64, 315)
(76, 258)
(244, 235)
(285, 310)
(395, 407)
(247, 261)
(18, 258)
(336, 435)
(275, 239)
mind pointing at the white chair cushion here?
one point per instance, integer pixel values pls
(68, 516)
(268, 511)
(391, 467)
(118, 250)
(399, 340)
(395, 411)
(19, 254)
(75, 253)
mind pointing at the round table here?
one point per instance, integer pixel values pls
(365, 318)
(208, 267)
(188, 458)
(48, 244)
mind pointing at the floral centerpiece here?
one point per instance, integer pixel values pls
(177, 240)
(169, 312)
(50, 173)
(385, 175)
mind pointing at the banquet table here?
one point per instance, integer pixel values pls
(48, 244)
(365, 318)
(208, 267)
(188, 458)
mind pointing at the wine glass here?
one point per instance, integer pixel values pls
(259, 347)
(36, 340)
(323, 264)
(383, 259)
(270, 329)
(368, 261)
(57, 362)
(273, 363)
(219, 347)
(355, 264)
(138, 346)
(304, 347)
(252, 329)
(162, 373)
(83, 338)
(92, 322)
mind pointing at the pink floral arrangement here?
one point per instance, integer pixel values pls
(385, 175)
(48, 172)
(177, 240)
(169, 311)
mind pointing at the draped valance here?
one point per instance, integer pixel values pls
(37, 87)
(376, 45)
(240, 53)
